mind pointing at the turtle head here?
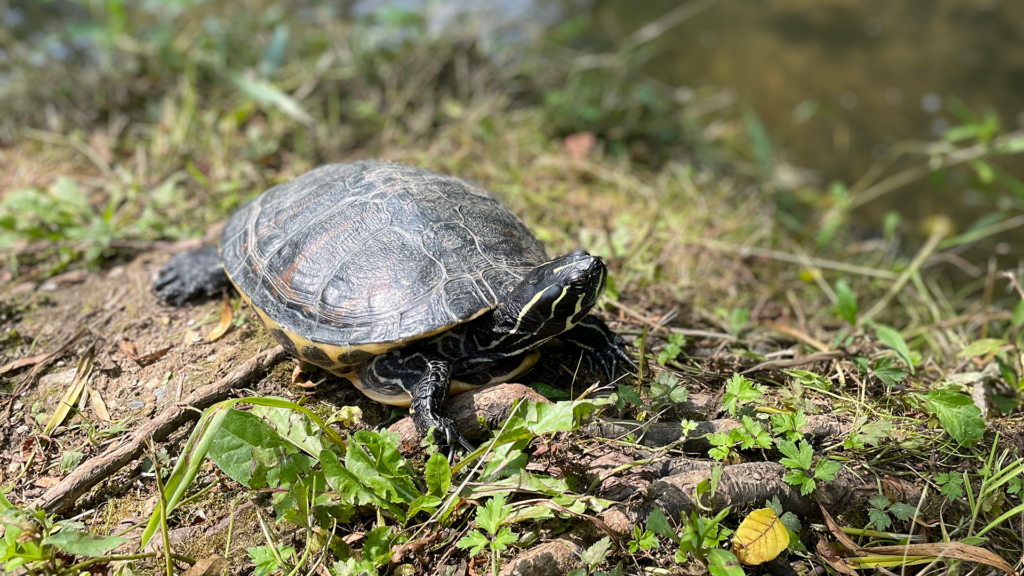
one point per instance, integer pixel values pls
(553, 297)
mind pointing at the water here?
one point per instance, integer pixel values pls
(872, 72)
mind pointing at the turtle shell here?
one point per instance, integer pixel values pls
(351, 260)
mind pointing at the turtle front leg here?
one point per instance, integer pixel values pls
(427, 395)
(601, 347)
(191, 275)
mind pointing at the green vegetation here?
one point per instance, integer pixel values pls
(772, 332)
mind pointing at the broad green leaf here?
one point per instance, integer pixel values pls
(888, 373)
(902, 511)
(295, 427)
(738, 392)
(847, 305)
(83, 543)
(723, 563)
(892, 339)
(244, 448)
(982, 347)
(349, 487)
(547, 418)
(379, 542)
(393, 487)
(879, 519)
(426, 503)
(438, 474)
(958, 415)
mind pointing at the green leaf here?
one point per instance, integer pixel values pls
(293, 426)
(547, 418)
(667, 386)
(630, 395)
(982, 347)
(892, 339)
(902, 511)
(847, 305)
(438, 474)
(799, 477)
(879, 519)
(379, 542)
(723, 563)
(70, 460)
(474, 541)
(550, 392)
(504, 538)
(598, 552)
(796, 457)
(658, 524)
(493, 514)
(739, 391)
(960, 418)
(83, 543)
(244, 447)
(887, 372)
(825, 470)
(266, 93)
(1018, 315)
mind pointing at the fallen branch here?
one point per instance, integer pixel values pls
(96, 469)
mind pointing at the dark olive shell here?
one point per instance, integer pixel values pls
(370, 255)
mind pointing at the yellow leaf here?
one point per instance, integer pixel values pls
(760, 538)
(225, 321)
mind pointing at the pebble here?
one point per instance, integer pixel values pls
(23, 429)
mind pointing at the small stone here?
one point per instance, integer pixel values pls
(136, 404)
(18, 406)
(23, 429)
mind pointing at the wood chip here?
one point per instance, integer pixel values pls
(142, 359)
(99, 408)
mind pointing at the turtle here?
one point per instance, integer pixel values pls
(411, 284)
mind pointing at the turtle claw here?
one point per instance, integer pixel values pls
(448, 438)
(190, 275)
(601, 347)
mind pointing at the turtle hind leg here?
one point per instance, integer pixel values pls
(191, 275)
(601, 347)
